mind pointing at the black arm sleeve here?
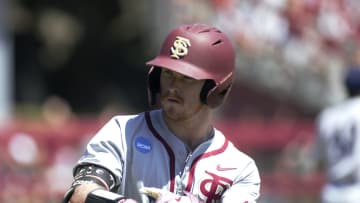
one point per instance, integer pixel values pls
(85, 174)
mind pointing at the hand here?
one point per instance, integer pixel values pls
(101, 195)
(164, 196)
(127, 201)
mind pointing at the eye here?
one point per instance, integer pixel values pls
(167, 73)
(188, 79)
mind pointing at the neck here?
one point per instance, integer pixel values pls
(192, 131)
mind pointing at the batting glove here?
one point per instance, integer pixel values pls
(164, 196)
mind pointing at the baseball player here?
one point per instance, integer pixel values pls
(338, 143)
(172, 153)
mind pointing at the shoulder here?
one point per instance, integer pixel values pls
(338, 117)
(134, 121)
(120, 122)
(232, 152)
(347, 108)
(128, 119)
(120, 118)
(240, 156)
(246, 167)
(138, 116)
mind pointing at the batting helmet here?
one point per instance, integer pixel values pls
(352, 81)
(198, 51)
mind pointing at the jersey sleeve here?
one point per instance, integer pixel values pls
(107, 149)
(246, 188)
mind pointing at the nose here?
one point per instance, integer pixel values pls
(173, 87)
(175, 81)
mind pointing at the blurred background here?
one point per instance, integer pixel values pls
(67, 66)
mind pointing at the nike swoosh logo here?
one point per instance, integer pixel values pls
(178, 199)
(219, 168)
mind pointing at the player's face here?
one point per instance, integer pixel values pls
(180, 95)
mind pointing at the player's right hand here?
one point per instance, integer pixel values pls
(127, 201)
(82, 194)
(164, 196)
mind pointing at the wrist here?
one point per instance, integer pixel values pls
(103, 196)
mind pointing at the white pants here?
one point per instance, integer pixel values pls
(341, 194)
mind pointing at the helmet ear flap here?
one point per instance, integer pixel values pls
(217, 95)
(153, 84)
(208, 86)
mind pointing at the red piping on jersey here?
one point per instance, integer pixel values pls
(168, 149)
(205, 155)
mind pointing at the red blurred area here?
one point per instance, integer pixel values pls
(37, 158)
(263, 135)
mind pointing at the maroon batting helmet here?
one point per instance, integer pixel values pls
(198, 51)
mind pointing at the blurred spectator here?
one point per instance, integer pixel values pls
(64, 41)
(294, 159)
(337, 144)
(57, 112)
(23, 149)
(60, 33)
(289, 41)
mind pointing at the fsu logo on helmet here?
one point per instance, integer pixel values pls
(180, 47)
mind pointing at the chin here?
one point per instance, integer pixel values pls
(171, 111)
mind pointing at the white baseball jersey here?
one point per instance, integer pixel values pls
(141, 148)
(338, 142)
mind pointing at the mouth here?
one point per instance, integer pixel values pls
(173, 99)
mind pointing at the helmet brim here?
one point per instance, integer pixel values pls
(180, 66)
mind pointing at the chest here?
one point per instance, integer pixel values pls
(206, 175)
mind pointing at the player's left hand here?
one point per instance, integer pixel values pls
(164, 196)
(127, 201)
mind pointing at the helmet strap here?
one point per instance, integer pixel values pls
(154, 84)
